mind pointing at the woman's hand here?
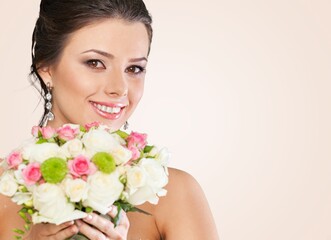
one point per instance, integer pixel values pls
(47, 231)
(96, 227)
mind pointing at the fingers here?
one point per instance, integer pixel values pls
(123, 225)
(52, 231)
(123, 218)
(66, 233)
(89, 231)
(98, 227)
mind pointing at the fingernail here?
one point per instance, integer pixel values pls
(71, 223)
(89, 217)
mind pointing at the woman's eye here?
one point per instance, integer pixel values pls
(96, 64)
(135, 69)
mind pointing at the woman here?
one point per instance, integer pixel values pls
(91, 58)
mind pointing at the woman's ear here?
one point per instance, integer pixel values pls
(45, 74)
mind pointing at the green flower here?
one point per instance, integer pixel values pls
(54, 170)
(104, 161)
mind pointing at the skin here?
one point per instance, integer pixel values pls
(109, 68)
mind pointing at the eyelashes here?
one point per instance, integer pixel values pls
(99, 65)
(135, 69)
(95, 64)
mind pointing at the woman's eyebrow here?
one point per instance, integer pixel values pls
(111, 56)
(138, 59)
(103, 53)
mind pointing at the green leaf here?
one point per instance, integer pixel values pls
(122, 134)
(126, 207)
(54, 170)
(27, 227)
(135, 209)
(19, 231)
(82, 129)
(41, 140)
(148, 148)
(23, 215)
(24, 210)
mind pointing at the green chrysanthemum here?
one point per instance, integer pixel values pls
(105, 162)
(54, 170)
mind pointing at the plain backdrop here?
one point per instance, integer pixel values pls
(239, 91)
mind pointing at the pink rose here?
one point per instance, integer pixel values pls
(137, 139)
(88, 126)
(135, 153)
(47, 132)
(31, 174)
(35, 131)
(14, 159)
(80, 165)
(67, 132)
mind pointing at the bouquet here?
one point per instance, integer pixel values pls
(63, 174)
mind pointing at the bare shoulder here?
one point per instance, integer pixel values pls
(9, 218)
(184, 185)
(184, 213)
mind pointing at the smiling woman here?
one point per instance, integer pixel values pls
(99, 78)
(90, 59)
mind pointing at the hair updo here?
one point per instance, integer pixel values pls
(59, 18)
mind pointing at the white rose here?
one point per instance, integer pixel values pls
(40, 152)
(53, 206)
(163, 157)
(22, 198)
(98, 140)
(18, 174)
(72, 148)
(8, 185)
(136, 178)
(156, 174)
(75, 189)
(104, 190)
(121, 154)
(142, 195)
(156, 179)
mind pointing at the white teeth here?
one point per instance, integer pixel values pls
(116, 110)
(107, 109)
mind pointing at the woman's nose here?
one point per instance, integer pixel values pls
(117, 84)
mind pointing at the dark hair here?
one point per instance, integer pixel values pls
(59, 18)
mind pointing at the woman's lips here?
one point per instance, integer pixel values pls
(110, 111)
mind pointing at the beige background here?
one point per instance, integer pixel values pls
(240, 93)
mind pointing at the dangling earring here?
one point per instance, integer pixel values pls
(49, 116)
(126, 125)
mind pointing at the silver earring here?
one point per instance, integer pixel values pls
(126, 125)
(49, 116)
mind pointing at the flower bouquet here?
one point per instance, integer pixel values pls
(63, 174)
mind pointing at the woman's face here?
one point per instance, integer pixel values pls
(100, 74)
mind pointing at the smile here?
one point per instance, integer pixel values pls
(108, 110)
